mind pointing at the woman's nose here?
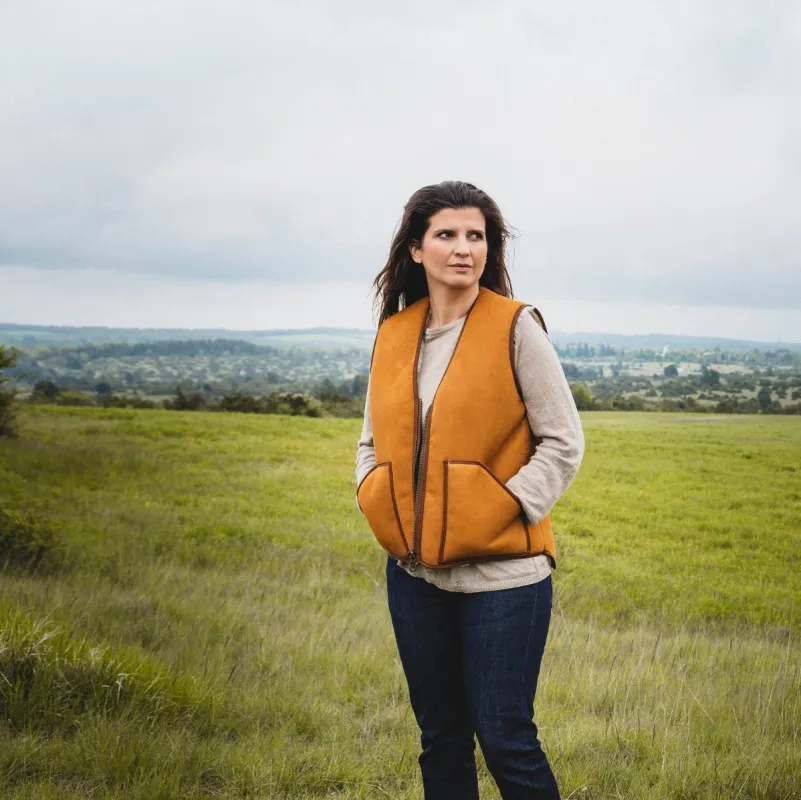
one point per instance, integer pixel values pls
(462, 248)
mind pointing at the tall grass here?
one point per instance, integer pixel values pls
(221, 627)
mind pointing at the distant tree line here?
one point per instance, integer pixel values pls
(327, 399)
(773, 390)
(577, 372)
(763, 403)
(214, 366)
(584, 350)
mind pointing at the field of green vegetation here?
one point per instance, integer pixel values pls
(192, 606)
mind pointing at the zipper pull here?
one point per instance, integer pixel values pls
(412, 561)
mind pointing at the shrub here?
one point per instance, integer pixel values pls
(72, 398)
(183, 402)
(125, 401)
(8, 408)
(353, 407)
(582, 397)
(26, 543)
(46, 390)
(633, 403)
(299, 405)
(275, 403)
(244, 404)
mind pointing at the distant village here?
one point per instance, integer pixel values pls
(333, 368)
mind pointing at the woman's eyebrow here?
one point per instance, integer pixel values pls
(450, 230)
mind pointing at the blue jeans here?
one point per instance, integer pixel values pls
(471, 662)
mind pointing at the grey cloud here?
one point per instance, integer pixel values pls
(644, 152)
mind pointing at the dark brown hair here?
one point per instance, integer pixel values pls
(402, 281)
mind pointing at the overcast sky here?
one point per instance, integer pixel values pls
(244, 164)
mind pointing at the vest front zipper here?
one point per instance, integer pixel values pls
(416, 482)
(421, 466)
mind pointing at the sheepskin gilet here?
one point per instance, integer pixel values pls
(437, 494)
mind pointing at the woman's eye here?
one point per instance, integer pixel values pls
(475, 235)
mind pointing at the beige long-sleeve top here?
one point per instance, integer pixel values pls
(553, 418)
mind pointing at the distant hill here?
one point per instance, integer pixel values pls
(69, 336)
(337, 338)
(659, 340)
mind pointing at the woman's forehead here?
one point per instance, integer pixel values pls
(458, 218)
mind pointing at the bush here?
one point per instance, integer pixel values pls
(582, 397)
(299, 405)
(27, 544)
(125, 401)
(72, 398)
(275, 403)
(45, 389)
(8, 410)
(183, 402)
(353, 407)
(245, 404)
(633, 403)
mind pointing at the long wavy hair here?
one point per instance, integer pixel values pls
(402, 281)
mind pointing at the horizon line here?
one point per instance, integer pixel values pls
(370, 331)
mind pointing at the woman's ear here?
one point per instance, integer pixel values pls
(416, 253)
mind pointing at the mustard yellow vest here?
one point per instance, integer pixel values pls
(440, 499)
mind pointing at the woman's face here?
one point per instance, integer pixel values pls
(454, 248)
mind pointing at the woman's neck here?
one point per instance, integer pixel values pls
(447, 305)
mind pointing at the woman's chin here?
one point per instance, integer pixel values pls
(460, 280)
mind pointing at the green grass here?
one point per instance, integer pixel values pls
(212, 619)
(698, 517)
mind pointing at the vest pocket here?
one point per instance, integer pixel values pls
(481, 517)
(376, 496)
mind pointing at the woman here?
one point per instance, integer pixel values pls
(470, 436)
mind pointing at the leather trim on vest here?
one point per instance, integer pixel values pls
(372, 352)
(486, 507)
(515, 318)
(500, 483)
(541, 320)
(385, 536)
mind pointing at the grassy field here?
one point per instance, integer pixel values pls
(207, 615)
